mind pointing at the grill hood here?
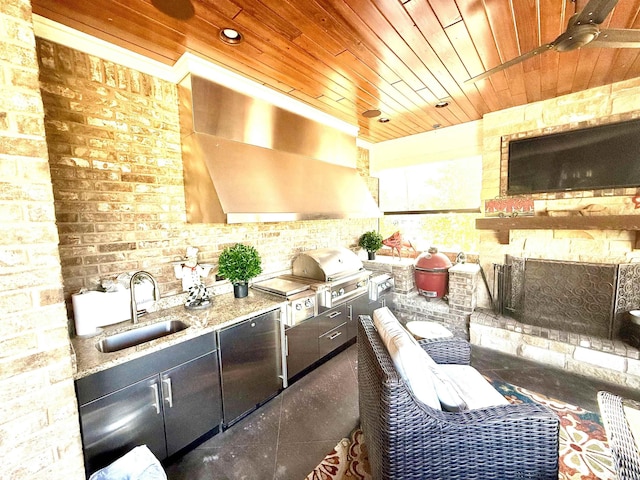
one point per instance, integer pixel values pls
(246, 160)
(327, 264)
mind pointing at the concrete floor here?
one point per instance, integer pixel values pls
(286, 438)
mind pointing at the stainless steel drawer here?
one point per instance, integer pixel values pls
(333, 339)
(331, 319)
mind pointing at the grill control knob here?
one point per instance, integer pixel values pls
(308, 303)
(334, 294)
(341, 292)
(298, 306)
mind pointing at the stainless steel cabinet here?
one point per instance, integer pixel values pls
(250, 364)
(313, 339)
(165, 400)
(358, 306)
(191, 401)
(115, 423)
(302, 346)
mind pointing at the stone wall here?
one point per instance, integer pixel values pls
(39, 427)
(610, 360)
(116, 167)
(594, 107)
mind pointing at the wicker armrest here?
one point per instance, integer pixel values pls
(621, 441)
(503, 415)
(447, 350)
(520, 438)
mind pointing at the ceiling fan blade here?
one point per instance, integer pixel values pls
(617, 38)
(596, 11)
(521, 58)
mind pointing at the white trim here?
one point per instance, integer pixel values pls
(364, 144)
(69, 37)
(187, 63)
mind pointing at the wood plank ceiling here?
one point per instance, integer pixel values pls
(348, 56)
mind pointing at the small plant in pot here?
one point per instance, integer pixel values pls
(371, 242)
(239, 264)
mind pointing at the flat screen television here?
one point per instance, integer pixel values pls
(601, 157)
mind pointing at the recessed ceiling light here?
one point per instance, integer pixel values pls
(384, 120)
(231, 36)
(371, 113)
(442, 104)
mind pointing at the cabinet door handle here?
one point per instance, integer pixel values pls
(286, 346)
(335, 335)
(169, 395)
(156, 396)
(334, 314)
(350, 307)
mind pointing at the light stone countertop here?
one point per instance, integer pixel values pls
(226, 310)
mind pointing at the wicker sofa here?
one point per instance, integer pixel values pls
(407, 439)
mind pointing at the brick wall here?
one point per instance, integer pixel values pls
(116, 167)
(39, 429)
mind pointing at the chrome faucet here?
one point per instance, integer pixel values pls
(134, 306)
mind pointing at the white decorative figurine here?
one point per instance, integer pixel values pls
(192, 274)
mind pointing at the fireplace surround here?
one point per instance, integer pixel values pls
(586, 299)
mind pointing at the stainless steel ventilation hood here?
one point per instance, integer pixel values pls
(246, 160)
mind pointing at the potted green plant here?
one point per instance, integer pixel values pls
(371, 242)
(239, 264)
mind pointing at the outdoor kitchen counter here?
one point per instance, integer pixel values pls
(226, 310)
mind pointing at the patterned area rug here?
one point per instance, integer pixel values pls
(584, 453)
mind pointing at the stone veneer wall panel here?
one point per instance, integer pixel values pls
(39, 426)
(116, 165)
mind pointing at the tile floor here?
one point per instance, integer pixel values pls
(286, 438)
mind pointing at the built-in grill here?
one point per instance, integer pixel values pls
(336, 275)
(301, 299)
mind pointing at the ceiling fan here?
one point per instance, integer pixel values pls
(582, 30)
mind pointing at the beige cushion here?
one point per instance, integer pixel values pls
(394, 335)
(449, 387)
(451, 399)
(472, 387)
(388, 326)
(406, 356)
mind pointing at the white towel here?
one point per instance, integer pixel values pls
(138, 464)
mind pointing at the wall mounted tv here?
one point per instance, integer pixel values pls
(605, 156)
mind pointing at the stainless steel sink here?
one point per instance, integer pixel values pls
(137, 336)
